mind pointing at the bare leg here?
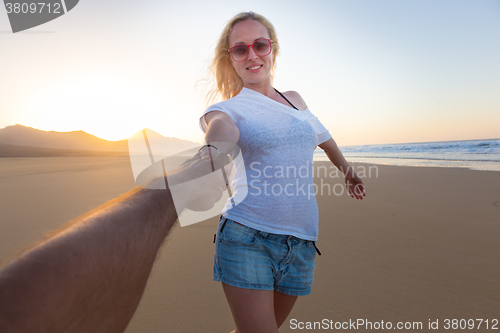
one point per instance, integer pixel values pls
(253, 310)
(283, 305)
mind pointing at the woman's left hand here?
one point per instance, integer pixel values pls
(354, 184)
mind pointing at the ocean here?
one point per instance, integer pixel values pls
(471, 154)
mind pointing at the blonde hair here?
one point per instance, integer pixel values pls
(226, 83)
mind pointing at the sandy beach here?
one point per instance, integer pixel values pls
(422, 246)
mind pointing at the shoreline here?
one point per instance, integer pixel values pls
(423, 162)
(93, 154)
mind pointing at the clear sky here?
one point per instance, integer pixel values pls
(373, 71)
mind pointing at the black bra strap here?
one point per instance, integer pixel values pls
(293, 106)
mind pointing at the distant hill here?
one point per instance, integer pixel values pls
(18, 140)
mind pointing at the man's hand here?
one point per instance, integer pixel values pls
(203, 181)
(196, 179)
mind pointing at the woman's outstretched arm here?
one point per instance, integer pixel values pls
(221, 129)
(354, 184)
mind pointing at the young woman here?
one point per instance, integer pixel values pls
(265, 245)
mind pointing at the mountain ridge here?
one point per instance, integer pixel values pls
(23, 136)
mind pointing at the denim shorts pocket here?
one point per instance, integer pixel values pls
(309, 256)
(237, 233)
(312, 248)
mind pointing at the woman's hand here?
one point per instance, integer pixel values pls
(354, 184)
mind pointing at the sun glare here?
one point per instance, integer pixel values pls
(109, 108)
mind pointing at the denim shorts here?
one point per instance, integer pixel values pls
(252, 259)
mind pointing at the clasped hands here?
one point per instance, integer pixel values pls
(200, 180)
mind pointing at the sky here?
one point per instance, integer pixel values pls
(373, 71)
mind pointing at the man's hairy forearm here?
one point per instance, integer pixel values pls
(90, 276)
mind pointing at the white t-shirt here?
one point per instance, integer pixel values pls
(277, 144)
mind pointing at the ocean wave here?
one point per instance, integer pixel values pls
(474, 154)
(490, 146)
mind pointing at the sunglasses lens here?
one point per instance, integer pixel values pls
(239, 52)
(262, 47)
